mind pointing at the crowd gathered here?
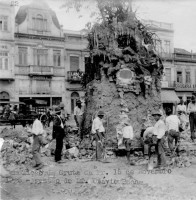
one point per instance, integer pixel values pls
(168, 128)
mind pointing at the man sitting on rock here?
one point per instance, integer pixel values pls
(172, 126)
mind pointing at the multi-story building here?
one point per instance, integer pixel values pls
(7, 78)
(163, 33)
(76, 54)
(184, 74)
(46, 56)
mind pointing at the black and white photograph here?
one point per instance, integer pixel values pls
(98, 100)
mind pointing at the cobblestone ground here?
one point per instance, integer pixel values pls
(91, 180)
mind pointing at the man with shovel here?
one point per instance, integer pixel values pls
(159, 139)
(98, 131)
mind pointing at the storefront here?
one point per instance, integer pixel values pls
(169, 99)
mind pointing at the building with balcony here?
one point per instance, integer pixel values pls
(185, 73)
(40, 54)
(48, 58)
(7, 77)
(76, 54)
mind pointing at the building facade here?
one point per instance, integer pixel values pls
(7, 55)
(45, 57)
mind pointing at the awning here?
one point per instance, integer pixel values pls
(169, 96)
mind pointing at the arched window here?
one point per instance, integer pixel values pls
(74, 97)
(4, 96)
(40, 24)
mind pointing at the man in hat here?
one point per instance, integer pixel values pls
(172, 127)
(79, 116)
(127, 134)
(192, 117)
(64, 115)
(58, 134)
(98, 132)
(158, 138)
(37, 131)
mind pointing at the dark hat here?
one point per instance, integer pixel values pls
(62, 105)
(78, 101)
(100, 113)
(156, 113)
(57, 109)
(193, 98)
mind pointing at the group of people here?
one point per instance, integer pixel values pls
(59, 131)
(165, 129)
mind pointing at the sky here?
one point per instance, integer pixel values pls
(181, 13)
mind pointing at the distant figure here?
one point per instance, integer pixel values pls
(181, 108)
(192, 117)
(79, 117)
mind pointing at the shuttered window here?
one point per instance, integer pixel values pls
(74, 63)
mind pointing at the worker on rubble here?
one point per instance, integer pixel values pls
(192, 117)
(172, 130)
(37, 131)
(159, 139)
(58, 134)
(127, 134)
(79, 117)
(98, 132)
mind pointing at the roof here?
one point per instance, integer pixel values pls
(169, 96)
(22, 12)
(181, 51)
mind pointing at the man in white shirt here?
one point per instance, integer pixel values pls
(192, 117)
(98, 132)
(127, 134)
(181, 107)
(79, 117)
(172, 129)
(158, 138)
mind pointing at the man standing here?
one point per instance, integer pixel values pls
(192, 116)
(78, 116)
(158, 138)
(37, 131)
(99, 133)
(58, 134)
(127, 134)
(172, 129)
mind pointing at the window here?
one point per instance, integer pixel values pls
(3, 23)
(158, 44)
(3, 60)
(168, 74)
(74, 97)
(188, 77)
(167, 46)
(74, 63)
(179, 77)
(22, 55)
(40, 57)
(57, 57)
(39, 23)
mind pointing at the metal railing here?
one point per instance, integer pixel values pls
(74, 76)
(41, 70)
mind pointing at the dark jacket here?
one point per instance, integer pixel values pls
(58, 131)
